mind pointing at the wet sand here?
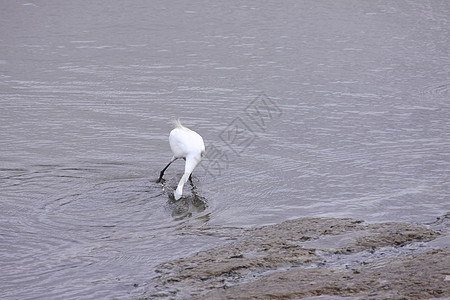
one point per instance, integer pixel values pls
(316, 257)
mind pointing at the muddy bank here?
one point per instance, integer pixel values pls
(313, 257)
(420, 276)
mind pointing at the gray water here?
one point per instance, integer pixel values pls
(307, 108)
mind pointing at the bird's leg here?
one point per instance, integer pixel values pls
(190, 178)
(165, 168)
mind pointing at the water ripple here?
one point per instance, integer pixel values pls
(440, 90)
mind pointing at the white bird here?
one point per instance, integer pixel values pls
(186, 144)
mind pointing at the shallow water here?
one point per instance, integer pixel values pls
(332, 109)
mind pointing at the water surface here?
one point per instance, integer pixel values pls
(307, 109)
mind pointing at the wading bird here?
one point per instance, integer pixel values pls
(186, 144)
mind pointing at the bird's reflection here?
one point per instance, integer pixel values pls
(188, 205)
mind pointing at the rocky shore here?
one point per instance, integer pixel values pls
(316, 257)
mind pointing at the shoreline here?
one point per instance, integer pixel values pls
(311, 257)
